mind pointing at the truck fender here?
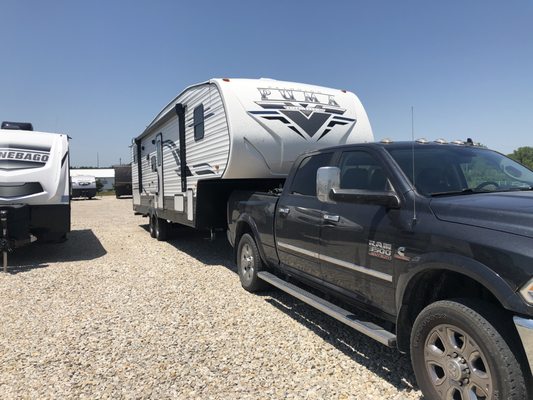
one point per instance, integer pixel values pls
(246, 220)
(469, 267)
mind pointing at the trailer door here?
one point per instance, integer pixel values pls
(160, 196)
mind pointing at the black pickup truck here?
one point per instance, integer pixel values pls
(435, 239)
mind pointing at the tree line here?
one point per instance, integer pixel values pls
(524, 155)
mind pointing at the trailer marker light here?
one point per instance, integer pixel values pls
(225, 79)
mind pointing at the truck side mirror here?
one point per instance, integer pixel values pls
(327, 178)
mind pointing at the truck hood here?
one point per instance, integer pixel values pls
(510, 212)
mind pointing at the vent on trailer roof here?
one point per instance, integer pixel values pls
(21, 126)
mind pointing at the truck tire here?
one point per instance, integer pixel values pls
(460, 349)
(161, 229)
(249, 263)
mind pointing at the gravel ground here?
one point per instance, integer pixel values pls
(112, 313)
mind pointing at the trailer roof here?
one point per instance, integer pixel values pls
(167, 111)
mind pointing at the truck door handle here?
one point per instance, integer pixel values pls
(333, 218)
(284, 210)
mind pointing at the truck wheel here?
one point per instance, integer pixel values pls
(249, 264)
(458, 352)
(161, 229)
(151, 224)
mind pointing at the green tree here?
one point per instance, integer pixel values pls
(524, 155)
(99, 186)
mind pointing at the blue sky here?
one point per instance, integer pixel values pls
(101, 70)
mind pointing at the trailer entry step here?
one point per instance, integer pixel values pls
(368, 328)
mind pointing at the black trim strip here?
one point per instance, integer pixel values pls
(25, 189)
(64, 159)
(24, 147)
(180, 111)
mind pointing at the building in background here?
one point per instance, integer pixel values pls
(105, 175)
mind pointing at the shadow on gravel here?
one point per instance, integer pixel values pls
(385, 362)
(81, 245)
(198, 245)
(84, 199)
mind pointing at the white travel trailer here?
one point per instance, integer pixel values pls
(34, 186)
(83, 186)
(227, 134)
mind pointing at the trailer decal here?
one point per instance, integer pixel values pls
(304, 112)
(15, 157)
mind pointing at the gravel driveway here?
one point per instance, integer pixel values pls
(112, 313)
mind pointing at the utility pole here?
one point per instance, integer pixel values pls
(97, 160)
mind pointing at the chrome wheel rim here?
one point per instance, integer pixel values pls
(456, 365)
(247, 262)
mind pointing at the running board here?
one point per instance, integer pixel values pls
(367, 328)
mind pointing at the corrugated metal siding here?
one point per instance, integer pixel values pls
(149, 178)
(171, 168)
(134, 176)
(213, 149)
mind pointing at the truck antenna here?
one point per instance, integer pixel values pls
(413, 159)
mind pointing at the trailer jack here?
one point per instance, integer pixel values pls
(5, 244)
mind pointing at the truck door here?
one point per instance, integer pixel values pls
(160, 196)
(299, 217)
(357, 240)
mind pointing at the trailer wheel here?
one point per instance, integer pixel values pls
(151, 225)
(161, 229)
(459, 351)
(249, 263)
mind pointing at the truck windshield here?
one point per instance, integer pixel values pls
(453, 170)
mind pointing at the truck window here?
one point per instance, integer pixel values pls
(361, 170)
(304, 181)
(450, 169)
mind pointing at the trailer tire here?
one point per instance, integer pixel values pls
(249, 263)
(460, 349)
(151, 225)
(161, 229)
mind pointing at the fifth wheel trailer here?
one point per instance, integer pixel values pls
(34, 186)
(227, 134)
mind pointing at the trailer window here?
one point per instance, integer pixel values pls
(199, 122)
(159, 150)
